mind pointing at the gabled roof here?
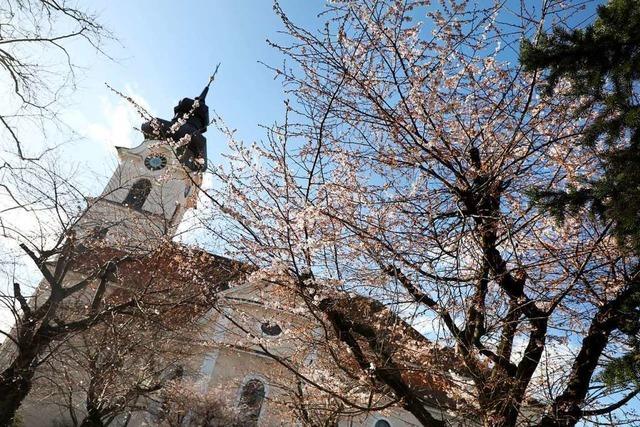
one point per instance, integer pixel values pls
(196, 276)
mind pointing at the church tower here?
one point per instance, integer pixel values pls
(154, 183)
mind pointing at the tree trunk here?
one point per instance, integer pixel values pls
(93, 419)
(94, 412)
(17, 379)
(15, 384)
(503, 418)
(500, 403)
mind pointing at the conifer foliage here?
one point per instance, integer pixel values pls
(602, 64)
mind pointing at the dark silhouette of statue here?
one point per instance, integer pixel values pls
(190, 120)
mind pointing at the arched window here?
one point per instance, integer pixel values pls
(138, 194)
(251, 399)
(382, 423)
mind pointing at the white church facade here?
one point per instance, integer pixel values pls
(143, 203)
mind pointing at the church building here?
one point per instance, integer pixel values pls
(246, 343)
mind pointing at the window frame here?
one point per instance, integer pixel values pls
(248, 378)
(378, 418)
(142, 186)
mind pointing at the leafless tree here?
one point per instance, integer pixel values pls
(185, 404)
(37, 63)
(115, 369)
(86, 280)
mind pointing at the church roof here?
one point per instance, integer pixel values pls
(195, 276)
(172, 272)
(433, 371)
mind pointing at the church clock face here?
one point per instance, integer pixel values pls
(155, 162)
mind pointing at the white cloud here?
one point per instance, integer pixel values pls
(119, 119)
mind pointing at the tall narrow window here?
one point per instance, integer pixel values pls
(251, 400)
(138, 194)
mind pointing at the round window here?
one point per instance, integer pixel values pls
(382, 423)
(271, 329)
(155, 162)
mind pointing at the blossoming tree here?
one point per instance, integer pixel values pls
(401, 173)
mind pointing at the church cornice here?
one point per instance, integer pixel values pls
(145, 213)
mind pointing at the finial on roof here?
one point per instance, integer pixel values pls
(212, 78)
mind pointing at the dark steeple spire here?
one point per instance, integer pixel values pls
(190, 121)
(203, 94)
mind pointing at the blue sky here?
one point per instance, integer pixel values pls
(164, 53)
